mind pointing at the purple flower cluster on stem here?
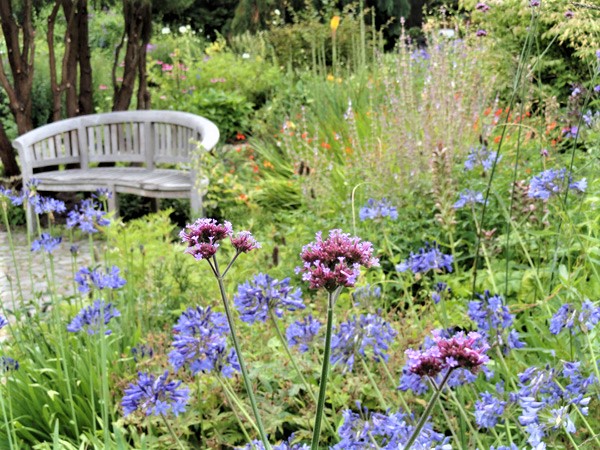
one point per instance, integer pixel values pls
(203, 236)
(335, 261)
(427, 258)
(87, 216)
(46, 242)
(567, 317)
(374, 210)
(94, 318)
(155, 396)
(552, 182)
(301, 333)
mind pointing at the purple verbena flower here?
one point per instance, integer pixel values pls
(46, 242)
(155, 395)
(203, 235)
(534, 3)
(569, 14)
(263, 294)
(468, 197)
(483, 7)
(481, 33)
(87, 216)
(200, 341)
(367, 336)
(378, 210)
(87, 279)
(94, 318)
(335, 261)
(428, 258)
(243, 242)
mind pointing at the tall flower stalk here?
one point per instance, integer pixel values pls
(332, 264)
(202, 238)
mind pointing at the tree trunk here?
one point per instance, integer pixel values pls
(8, 156)
(86, 97)
(138, 25)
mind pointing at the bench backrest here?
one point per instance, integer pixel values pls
(147, 137)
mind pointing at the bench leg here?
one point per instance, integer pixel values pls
(113, 204)
(196, 204)
(30, 219)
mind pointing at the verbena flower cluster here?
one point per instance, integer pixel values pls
(468, 197)
(155, 395)
(426, 259)
(567, 317)
(200, 342)
(365, 430)
(302, 333)
(46, 242)
(88, 216)
(87, 279)
(94, 318)
(335, 261)
(481, 156)
(368, 336)
(375, 210)
(552, 182)
(409, 380)
(257, 297)
(492, 318)
(203, 237)
(244, 242)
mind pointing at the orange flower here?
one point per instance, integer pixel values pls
(325, 145)
(487, 111)
(497, 139)
(268, 165)
(335, 23)
(349, 150)
(304, 135)
(240, 137)
(498, 112)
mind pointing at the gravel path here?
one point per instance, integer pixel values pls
(35, 287)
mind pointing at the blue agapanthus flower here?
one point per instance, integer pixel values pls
(427, 258)
(142, 351)
(481, 156)
(46, 242)
(468, 197)
(87, 216)
(258, 297)
(369, 336)
(87, 279)
(365, 430)
(489, 410)
(302, 333)
(94, 318)
(200, 342)
(8, 364)
(47, 205)
(285, 445)
(567, 317)
(155, 396)
(375, 210)
(3, 322)
(552, 182)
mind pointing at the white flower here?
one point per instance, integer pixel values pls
(166, 30)
(246, 55)
(277, 12)
(183, 29)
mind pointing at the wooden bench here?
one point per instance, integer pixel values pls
(146, 149)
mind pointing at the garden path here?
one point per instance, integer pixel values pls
(35, 288)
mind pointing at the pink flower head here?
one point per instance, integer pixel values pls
(482, 7)
(569, 14)
(167, 67)
(244, 242)
(203, 236)
(481, 33)
(467, 352)
(459, 351)
(335, 261)
(103, 87)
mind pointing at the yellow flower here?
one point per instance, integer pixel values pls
(335, 23)
(330, 77)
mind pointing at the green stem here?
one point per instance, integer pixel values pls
(236, 345)
(427, 411)
(181, 446)
(331, 298)
(394, 386)
(238, 403)
(592, 353)
(372, 380)
(466, 419)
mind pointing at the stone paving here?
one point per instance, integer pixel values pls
(35, 288)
